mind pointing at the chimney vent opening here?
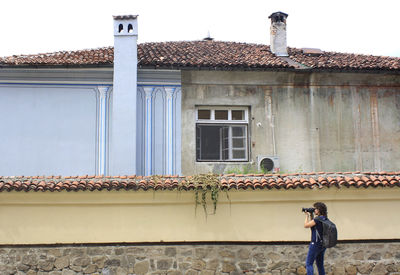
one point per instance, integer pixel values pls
(278, 33)
(120, 28)
(279, 16)
(130, 28)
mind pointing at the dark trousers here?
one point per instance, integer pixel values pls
(315, 253)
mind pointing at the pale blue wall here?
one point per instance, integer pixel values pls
(159, 116)
(63, 128)
(48, 129)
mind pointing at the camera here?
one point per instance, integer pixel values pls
(310, 210)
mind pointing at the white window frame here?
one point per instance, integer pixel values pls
(217, 121)
(229, 123)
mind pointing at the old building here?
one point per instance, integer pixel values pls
(196, 107)
(191, 108)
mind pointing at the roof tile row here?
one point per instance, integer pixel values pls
(226, 182)
(210, 54)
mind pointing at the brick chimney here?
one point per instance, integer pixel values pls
(278, 33)
(124, 97)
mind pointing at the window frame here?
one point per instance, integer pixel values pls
(229, 123)
(218, 121)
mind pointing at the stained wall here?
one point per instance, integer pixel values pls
(312, 121)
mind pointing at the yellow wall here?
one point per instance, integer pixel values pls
(139, 216)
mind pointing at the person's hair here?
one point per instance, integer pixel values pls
(323, 210)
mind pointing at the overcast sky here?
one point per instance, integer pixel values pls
(352, 26)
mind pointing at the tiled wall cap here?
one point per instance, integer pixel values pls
(231, 181)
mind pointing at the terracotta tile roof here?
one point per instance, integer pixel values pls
(345, 61)
(227, 182)
(210, 55)
(83, 57)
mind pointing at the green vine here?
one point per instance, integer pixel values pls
(206, 186)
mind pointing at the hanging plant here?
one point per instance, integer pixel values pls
(207, 186)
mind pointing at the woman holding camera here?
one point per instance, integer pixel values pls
(316, 250)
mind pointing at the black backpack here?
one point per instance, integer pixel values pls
(329, 233)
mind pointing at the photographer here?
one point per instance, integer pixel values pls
(316, 251)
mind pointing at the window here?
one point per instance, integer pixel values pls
(221, 133)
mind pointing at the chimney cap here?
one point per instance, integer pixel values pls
(125, 17)
(208, 38)
(278, 16)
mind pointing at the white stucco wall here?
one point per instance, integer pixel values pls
(123, 130)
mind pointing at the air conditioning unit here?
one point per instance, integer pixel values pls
(268, 163)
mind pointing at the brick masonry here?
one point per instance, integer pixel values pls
(196, 259)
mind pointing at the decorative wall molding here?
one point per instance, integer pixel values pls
(160, 113)
(103, 108)
(91, 76)
(52, 76)
(148, 129)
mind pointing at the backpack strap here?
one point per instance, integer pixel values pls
(316, 229)
(318, 236)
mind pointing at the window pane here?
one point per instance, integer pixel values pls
(237, 115)
(209, 143)
(221, 114)
(238, 143)
(239, 154)
(225, 132)
(226, 143)
(238, 131)
(226, 154)
(204, 114)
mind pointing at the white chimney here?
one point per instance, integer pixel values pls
(278, 33)
(124, 95)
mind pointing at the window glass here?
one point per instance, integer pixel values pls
(204, 114)
(221, 134)
(238, 131)
(221, 114)
(239, 154)
(208, 145)
(237, 115)
(217, 143)
(225, 154)
(238, 143)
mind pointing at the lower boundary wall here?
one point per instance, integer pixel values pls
(197, 259)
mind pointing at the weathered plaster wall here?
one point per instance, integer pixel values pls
(197, 259)
(319, 121)
(171, 216)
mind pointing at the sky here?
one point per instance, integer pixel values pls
(350, 26)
